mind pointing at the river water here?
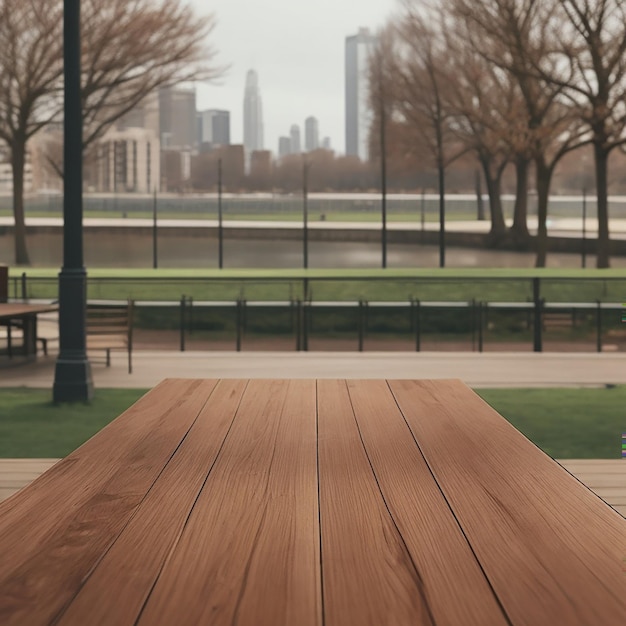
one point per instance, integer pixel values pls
(132, 250)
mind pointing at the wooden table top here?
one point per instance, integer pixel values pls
(299, 502)
(16, 309)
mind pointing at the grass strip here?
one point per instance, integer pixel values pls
(565, 423)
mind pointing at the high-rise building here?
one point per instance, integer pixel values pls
(358, 111)
(214, 127)
(284, 146)
(294, 135)
(177, 123)
(252, 115)
(326, 143)
(311, 134)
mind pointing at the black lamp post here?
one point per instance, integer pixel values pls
(72, 377)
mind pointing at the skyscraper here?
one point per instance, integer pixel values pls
(252, 115)
(294, 134)
(214, 127)
(358, 112)
(284, 146)
(177, 108)
(311, 134)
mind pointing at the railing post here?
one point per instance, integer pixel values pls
(537, 326)
(598, 326)
(473, 323)
(481, 304)
(360, 325)
(418, 330)
(24, 287)
(305, 325)
(182, 323)
(190, 318)
(298, 324)
(240, 313)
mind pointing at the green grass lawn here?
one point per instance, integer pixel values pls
(565, 423)
(490, 285)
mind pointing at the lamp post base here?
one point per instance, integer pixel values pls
(72, 381)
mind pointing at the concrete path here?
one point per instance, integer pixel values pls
(606, 478)
(495, 369)
(557, 227)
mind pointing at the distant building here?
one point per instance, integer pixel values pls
(177, 118)
(214, 127)
(358, 113)
(326, 143)
(252, 115)
(126, 160)
(294, 135)
(233, 163)
(261, 166)
(284, 146)
(311, 134)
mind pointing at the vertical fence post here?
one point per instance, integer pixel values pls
(473, 323)
(183, 301)
(360, 325)
(155, 259)
(537, 340)
(418, 330)
(481, 305)
(306, 314)
(240, 322)
(298, 324)
(598, 326)
(24, 287)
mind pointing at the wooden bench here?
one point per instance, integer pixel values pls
(305, 503)
(110, 327)
(558, 319)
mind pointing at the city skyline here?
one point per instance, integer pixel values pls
(301, 69)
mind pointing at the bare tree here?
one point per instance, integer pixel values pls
(31, 53)
(420, 90)
(129, 49)
(588, 64)
(517, 36)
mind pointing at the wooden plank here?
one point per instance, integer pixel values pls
(551, 549)
(130, 568)
(368, 576)
(87, 499)
(249, 553)
(438, 548)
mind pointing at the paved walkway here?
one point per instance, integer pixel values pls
(495, 369)
(557, 227)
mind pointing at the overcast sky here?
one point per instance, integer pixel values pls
(297, 49)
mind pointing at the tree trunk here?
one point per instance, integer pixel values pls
(544, 175)
(18, 161)
(601, 162)
(498, 226)
(519, 229)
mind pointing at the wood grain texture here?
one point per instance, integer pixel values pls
(456, 595)
(130, 568)
(368, 575)
(249, 554)
(56, 530)
(551, 549)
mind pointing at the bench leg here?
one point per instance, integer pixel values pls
(108, 357)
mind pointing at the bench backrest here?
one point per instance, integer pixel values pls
(109, 319)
